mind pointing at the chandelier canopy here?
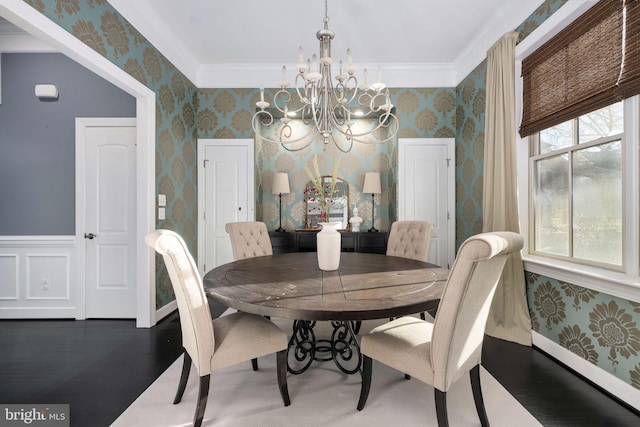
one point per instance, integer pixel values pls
(326, 109)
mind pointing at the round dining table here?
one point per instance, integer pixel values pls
(291, 286)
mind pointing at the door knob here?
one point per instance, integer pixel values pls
(89, 236)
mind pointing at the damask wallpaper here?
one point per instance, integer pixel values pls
(423, 113)
(100, 26)
(600, 328)
(597, 327)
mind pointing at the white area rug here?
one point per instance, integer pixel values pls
(322, 396)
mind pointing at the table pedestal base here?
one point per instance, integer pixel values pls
(343, 347)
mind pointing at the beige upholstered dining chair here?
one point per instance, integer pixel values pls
(213, 344)
(249, 239)
(441, 352)
(410, 239)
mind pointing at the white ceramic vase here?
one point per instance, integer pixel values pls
(329, 246)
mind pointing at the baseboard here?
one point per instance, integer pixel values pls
(609, 383)
(38, 313)
(166, 310)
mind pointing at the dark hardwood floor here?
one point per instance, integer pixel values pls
(99, 367)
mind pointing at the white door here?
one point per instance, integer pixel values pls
(225, 194)
(109, 216)
(426, 191)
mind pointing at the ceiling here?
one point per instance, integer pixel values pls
(244, 43)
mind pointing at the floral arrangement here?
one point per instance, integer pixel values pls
(322, 192)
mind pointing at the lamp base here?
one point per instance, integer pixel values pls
(373, 230)
(280, 229)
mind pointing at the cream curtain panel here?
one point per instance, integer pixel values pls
(509, 316)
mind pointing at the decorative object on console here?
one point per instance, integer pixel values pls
(324, 109)
(372, 185)
(280, 186)
(355, 221)
(322, 191)
(329, 247)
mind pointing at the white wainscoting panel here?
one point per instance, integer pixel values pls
(37, 278)
(48, 277)
(8, 276)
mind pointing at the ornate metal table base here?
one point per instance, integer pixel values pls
(343, 347)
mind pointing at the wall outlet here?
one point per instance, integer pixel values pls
(46, 284)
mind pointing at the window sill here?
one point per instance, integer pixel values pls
(609, 282)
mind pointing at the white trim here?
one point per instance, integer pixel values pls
(599, 376)
(609, 282)
(32, 21)
(8, 241)
(254, 75)
(37, 312)
(568, 13)
(163, 312)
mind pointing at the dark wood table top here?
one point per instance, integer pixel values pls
(366, 286)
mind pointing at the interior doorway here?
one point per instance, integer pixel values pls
(426, 191)
(106, 195)
(225, 194)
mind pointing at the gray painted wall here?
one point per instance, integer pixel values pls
(37, 139)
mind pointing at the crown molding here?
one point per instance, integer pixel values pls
(14, 39)
(268, 75)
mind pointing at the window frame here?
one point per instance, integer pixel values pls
(535, 155)
(623, 284)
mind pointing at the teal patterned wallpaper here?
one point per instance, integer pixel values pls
(600, 328)
(100, 26)
(423, 113)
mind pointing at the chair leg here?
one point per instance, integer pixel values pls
(477, 395)
(186, 367)
(254, 364)
(203, 394)
(441, 408)
(366, 381)
(281, 367)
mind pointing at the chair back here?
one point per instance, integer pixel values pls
(249, 239)
(460, 322)
(410, 239)
(195, 317)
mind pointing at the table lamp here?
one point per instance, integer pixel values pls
(280, 186)
(372, 185)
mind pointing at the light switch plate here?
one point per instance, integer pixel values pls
(161, 215)
(162, 200)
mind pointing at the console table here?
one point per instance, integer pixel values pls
(305, 241)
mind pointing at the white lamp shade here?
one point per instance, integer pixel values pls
(372, 183)
(280, 183)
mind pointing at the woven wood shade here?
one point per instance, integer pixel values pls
(581, 69)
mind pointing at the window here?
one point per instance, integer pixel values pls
(577, 189)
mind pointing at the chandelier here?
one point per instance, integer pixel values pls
(326, 110)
